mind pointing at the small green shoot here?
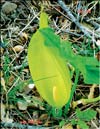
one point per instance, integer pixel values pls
(80, 118)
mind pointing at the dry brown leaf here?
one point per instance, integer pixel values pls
(4, 115)
(1, 50)
(43, 117)
(98, 110)
(1, 74)
(24, 36)
(9, 120)
(78, 127)
(3, 83)
(2, 109)
(48, 123)
(68, 126)
(98, 56)
(11, 79)
(91, 93)
(18, 48)
(26, 70)
(22, 105)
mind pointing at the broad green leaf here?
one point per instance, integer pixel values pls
(48, 68)
(89, 66)
(82, 124)
(91, 74)
(86, 115)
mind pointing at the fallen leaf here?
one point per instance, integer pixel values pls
(68, 126)
(3, 107)
(43, 117)
(22, 105)
(18, 48)
(3, 83)
(5, 116)
(24, 36)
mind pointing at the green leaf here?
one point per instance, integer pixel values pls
(62, 123)
(91, 75)
(50, 38)
(73, 122)
(86, 115)
(82, 124)
(89, 66)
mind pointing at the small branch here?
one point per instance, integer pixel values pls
(72, 33)
(91, 93)
(20, 126)
(36, 16)
(94, 124)
(96, 25)
(86, 32)
(62, 29)
(23, 126)
(20, 66)
(85, 101)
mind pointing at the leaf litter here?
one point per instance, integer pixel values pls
(17, 27)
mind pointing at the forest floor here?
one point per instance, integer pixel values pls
(21, 104)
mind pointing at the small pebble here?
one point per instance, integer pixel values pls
(8, 7)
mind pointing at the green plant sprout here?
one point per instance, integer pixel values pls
(47, 56)
(47, 67)
(80, 118)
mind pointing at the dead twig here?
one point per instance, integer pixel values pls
(23, 126)
(17, 125)
(85, 101)
(36, 16)
(95, 24)
(87, 32)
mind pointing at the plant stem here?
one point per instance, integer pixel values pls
(72, 92)
(56, 112)
(87, 33)
(85, 101)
